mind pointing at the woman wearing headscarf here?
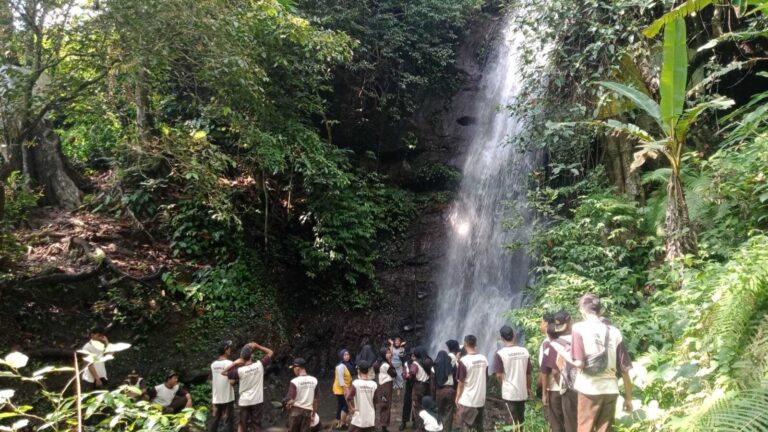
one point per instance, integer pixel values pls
(420, 371)
(383, 396)
(430, 416)
(342, 379)
(368, 355)
(444, 387)
(408, 392)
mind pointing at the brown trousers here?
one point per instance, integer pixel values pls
(299, 420)
(445, 398)
(562, 411)
(383, 399)
(596, 412)
(471, 418)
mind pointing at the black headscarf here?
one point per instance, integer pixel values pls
(422, 357)
(443, 368)
(349, 365)
(367, 354)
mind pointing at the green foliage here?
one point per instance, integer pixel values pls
(59, 410)
(406, 50)
(19, 198)
(434, 176)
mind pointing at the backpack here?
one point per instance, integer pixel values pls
(567, 370)
(597, 363)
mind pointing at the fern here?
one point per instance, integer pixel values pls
(742, 411)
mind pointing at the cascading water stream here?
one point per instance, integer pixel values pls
(480, 280)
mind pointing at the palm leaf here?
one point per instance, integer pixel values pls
(639, 98)
(674, 72)
(687, 8)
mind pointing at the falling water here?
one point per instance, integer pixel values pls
(480, 280)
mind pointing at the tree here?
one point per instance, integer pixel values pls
(53, 53)
(674, 122)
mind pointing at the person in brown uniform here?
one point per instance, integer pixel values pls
(385, 375)
(302, 398)
(420, 372)
(444, 388)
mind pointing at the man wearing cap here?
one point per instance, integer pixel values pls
(302, 398)
(250, 375)
(223, 397)
(470, 394)
(360, 400)
(557, 370)
(95, 375)
(513, 371)
(598, 391)
(169, 395)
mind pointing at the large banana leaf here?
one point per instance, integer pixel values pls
(687, 8)
(674, 72)
(639, 98)
(690, 115)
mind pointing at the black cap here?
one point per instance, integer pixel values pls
(363, 365)
(171, 373)
(298, 362)
(561, 320)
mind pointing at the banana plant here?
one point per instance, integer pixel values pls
(674, 122)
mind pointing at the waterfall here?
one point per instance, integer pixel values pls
(479, 279)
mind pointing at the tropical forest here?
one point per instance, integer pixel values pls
(347, 195)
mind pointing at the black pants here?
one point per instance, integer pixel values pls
(407, 401)
(446, 399)
(226, 412)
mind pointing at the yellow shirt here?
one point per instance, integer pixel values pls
(337, 390)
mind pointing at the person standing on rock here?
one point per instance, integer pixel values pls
(444, 387)
(419, 372)
(342, 379)
(250, 376)
(383, 397)
(95, 375)
(223, 397)
(302, 398)
(470, 394)
(397, 346)
(360, 400)
(513, 371)
(594, 340)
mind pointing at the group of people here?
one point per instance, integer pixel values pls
(579, 367)
(171, 396)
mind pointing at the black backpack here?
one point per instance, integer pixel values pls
(597, 363)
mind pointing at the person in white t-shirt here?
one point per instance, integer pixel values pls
(470, 394)
(360, 400)
(383, 398)
(250, 375)
(223, 398)
(302, 397)
(429, 415)
(95, 375)
(513, 371)
(598, 391)
(170, 395)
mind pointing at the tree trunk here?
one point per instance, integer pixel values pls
(49, 168)
(618, 161)
(680, 238)
(144, 120)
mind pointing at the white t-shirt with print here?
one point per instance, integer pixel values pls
(365, 412)
(592, 333)
(251, 378)
(383, 375)
(515, 360)
(475, 367)
(223, 392)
